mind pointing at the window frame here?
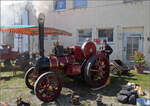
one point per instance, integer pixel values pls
(47, 37)
(59, 9)
(54, 37)
(80, 42)
(110, 28)
(79, 6)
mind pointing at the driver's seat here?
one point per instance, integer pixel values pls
(58, 51)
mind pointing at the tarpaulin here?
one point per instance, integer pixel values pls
(32, 30)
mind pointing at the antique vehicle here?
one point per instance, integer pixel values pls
(119, 67)
(7, 53)
(84, 61)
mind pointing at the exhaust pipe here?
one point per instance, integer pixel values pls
(41, 19)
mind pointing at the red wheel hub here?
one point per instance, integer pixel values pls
(48, 87)
(88, 49)
(99, 71)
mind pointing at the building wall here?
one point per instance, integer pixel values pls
(25, 21)
(7, 38)
(101, 14)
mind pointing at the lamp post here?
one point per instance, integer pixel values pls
(41, 20)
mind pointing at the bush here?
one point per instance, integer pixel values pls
(139, 59)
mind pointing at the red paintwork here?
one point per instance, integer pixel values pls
(106, 68)
(80, 61)
(34, 31)
(67, 63)
(71, 59)
(74, 69)
(44, 84)
(77, 52)
(99, 53)
(96, 40)
(88, 49)
(9, 54)
(61, 62)
(53, 62)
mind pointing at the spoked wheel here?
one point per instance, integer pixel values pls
(47, 87)
(96, 71)
(30, 77)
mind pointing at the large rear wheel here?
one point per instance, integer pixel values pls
(96, 71)
(47, 87)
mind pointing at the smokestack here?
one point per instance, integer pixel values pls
(41, 19)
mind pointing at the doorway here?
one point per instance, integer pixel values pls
(131, 43)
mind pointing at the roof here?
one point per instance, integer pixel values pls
(32, 30)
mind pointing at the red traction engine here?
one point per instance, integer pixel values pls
(6, 53)
(83, 61)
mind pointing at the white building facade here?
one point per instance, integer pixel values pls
(125, 24)
(14, 15)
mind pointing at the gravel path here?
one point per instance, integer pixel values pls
(87, 96)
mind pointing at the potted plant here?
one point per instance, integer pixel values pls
(139, 61)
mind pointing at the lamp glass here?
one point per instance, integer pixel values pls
(41, 18)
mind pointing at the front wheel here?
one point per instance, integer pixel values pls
(30, 77)
(47, 87)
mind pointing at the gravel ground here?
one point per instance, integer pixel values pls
(87, 96)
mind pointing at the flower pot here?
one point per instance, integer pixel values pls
(142, 69)
(139, 69)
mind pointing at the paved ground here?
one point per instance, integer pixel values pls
(147, 71)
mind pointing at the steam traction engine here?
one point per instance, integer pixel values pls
(83, 61)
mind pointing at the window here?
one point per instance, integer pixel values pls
(60, 4)
(80, 3)
(126, 1)
(46, 37)
(84, 35)
(54, 37)
(106, 34)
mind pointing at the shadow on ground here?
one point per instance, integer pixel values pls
(80, 88)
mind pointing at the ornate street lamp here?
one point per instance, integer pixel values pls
(41, 18)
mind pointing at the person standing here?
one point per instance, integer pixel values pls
(105, 48)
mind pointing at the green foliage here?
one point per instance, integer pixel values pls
(2, 65)
(139, 59)
(84, 103)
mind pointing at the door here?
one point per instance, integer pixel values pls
(131, 43)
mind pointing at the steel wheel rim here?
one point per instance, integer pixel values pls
(99, 71)
(48, 87)
(31, 78)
